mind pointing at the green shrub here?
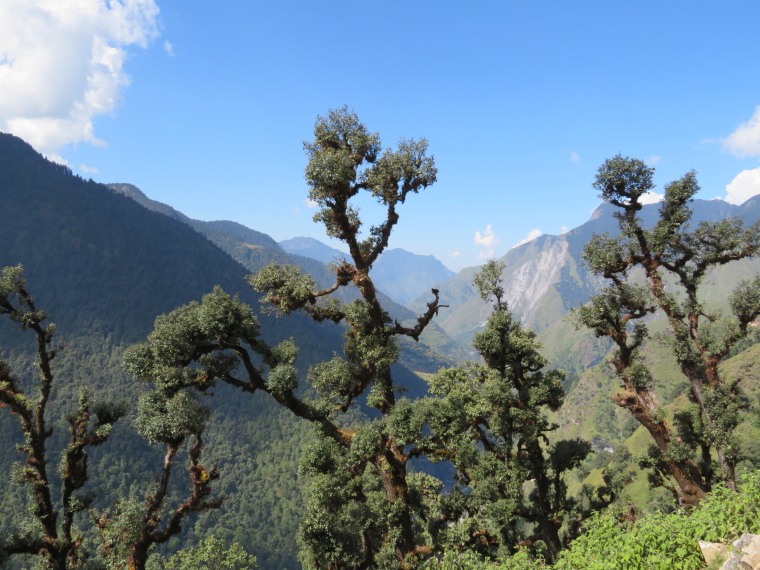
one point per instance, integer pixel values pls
(660, 541)
(453, 560)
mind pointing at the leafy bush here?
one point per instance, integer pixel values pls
(468, 560)
(667, 541)
(210, 554)
(655, 542)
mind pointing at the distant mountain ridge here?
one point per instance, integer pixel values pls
(313, 248)
(398, 273)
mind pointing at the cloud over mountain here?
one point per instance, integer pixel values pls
(487, 241)
(744, 141)
(532, 234)
(744, 186)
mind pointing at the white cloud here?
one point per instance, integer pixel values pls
(487, 242)
(62, 65)
(169, 48)
(575, 157)
(651, 198)
(744, 186)
(532, 234)
(453, 254)
(311, 204)
(88, 169)
(745, 140)
(563, 230)
(653, 160)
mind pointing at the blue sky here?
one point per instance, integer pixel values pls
(204, 105)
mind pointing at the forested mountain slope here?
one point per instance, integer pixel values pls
(104, 267)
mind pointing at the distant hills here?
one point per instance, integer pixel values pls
(398, 273)
(313, 248)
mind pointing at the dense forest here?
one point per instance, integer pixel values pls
(205, 399)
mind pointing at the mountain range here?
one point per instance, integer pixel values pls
(545, 278)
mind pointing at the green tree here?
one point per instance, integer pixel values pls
(674, 260)
(53, 535)
(210, 554)
(132, 527)
(491, 422)
(365, 508)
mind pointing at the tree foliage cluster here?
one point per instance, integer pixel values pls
(372, 503)
(129, 532)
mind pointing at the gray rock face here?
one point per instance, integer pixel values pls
(713, 552)
(528, 285)
(744, 555)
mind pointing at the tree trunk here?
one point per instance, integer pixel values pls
(641, 404)
(393, 475)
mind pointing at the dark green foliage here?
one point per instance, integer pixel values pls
(210, 554)
(162, 419)
(491, 423)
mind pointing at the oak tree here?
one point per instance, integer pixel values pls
(363, 510)
(674, 259)
(60, 508)
(491, 420)
(54, 535)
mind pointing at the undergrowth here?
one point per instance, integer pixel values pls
(654, 542)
